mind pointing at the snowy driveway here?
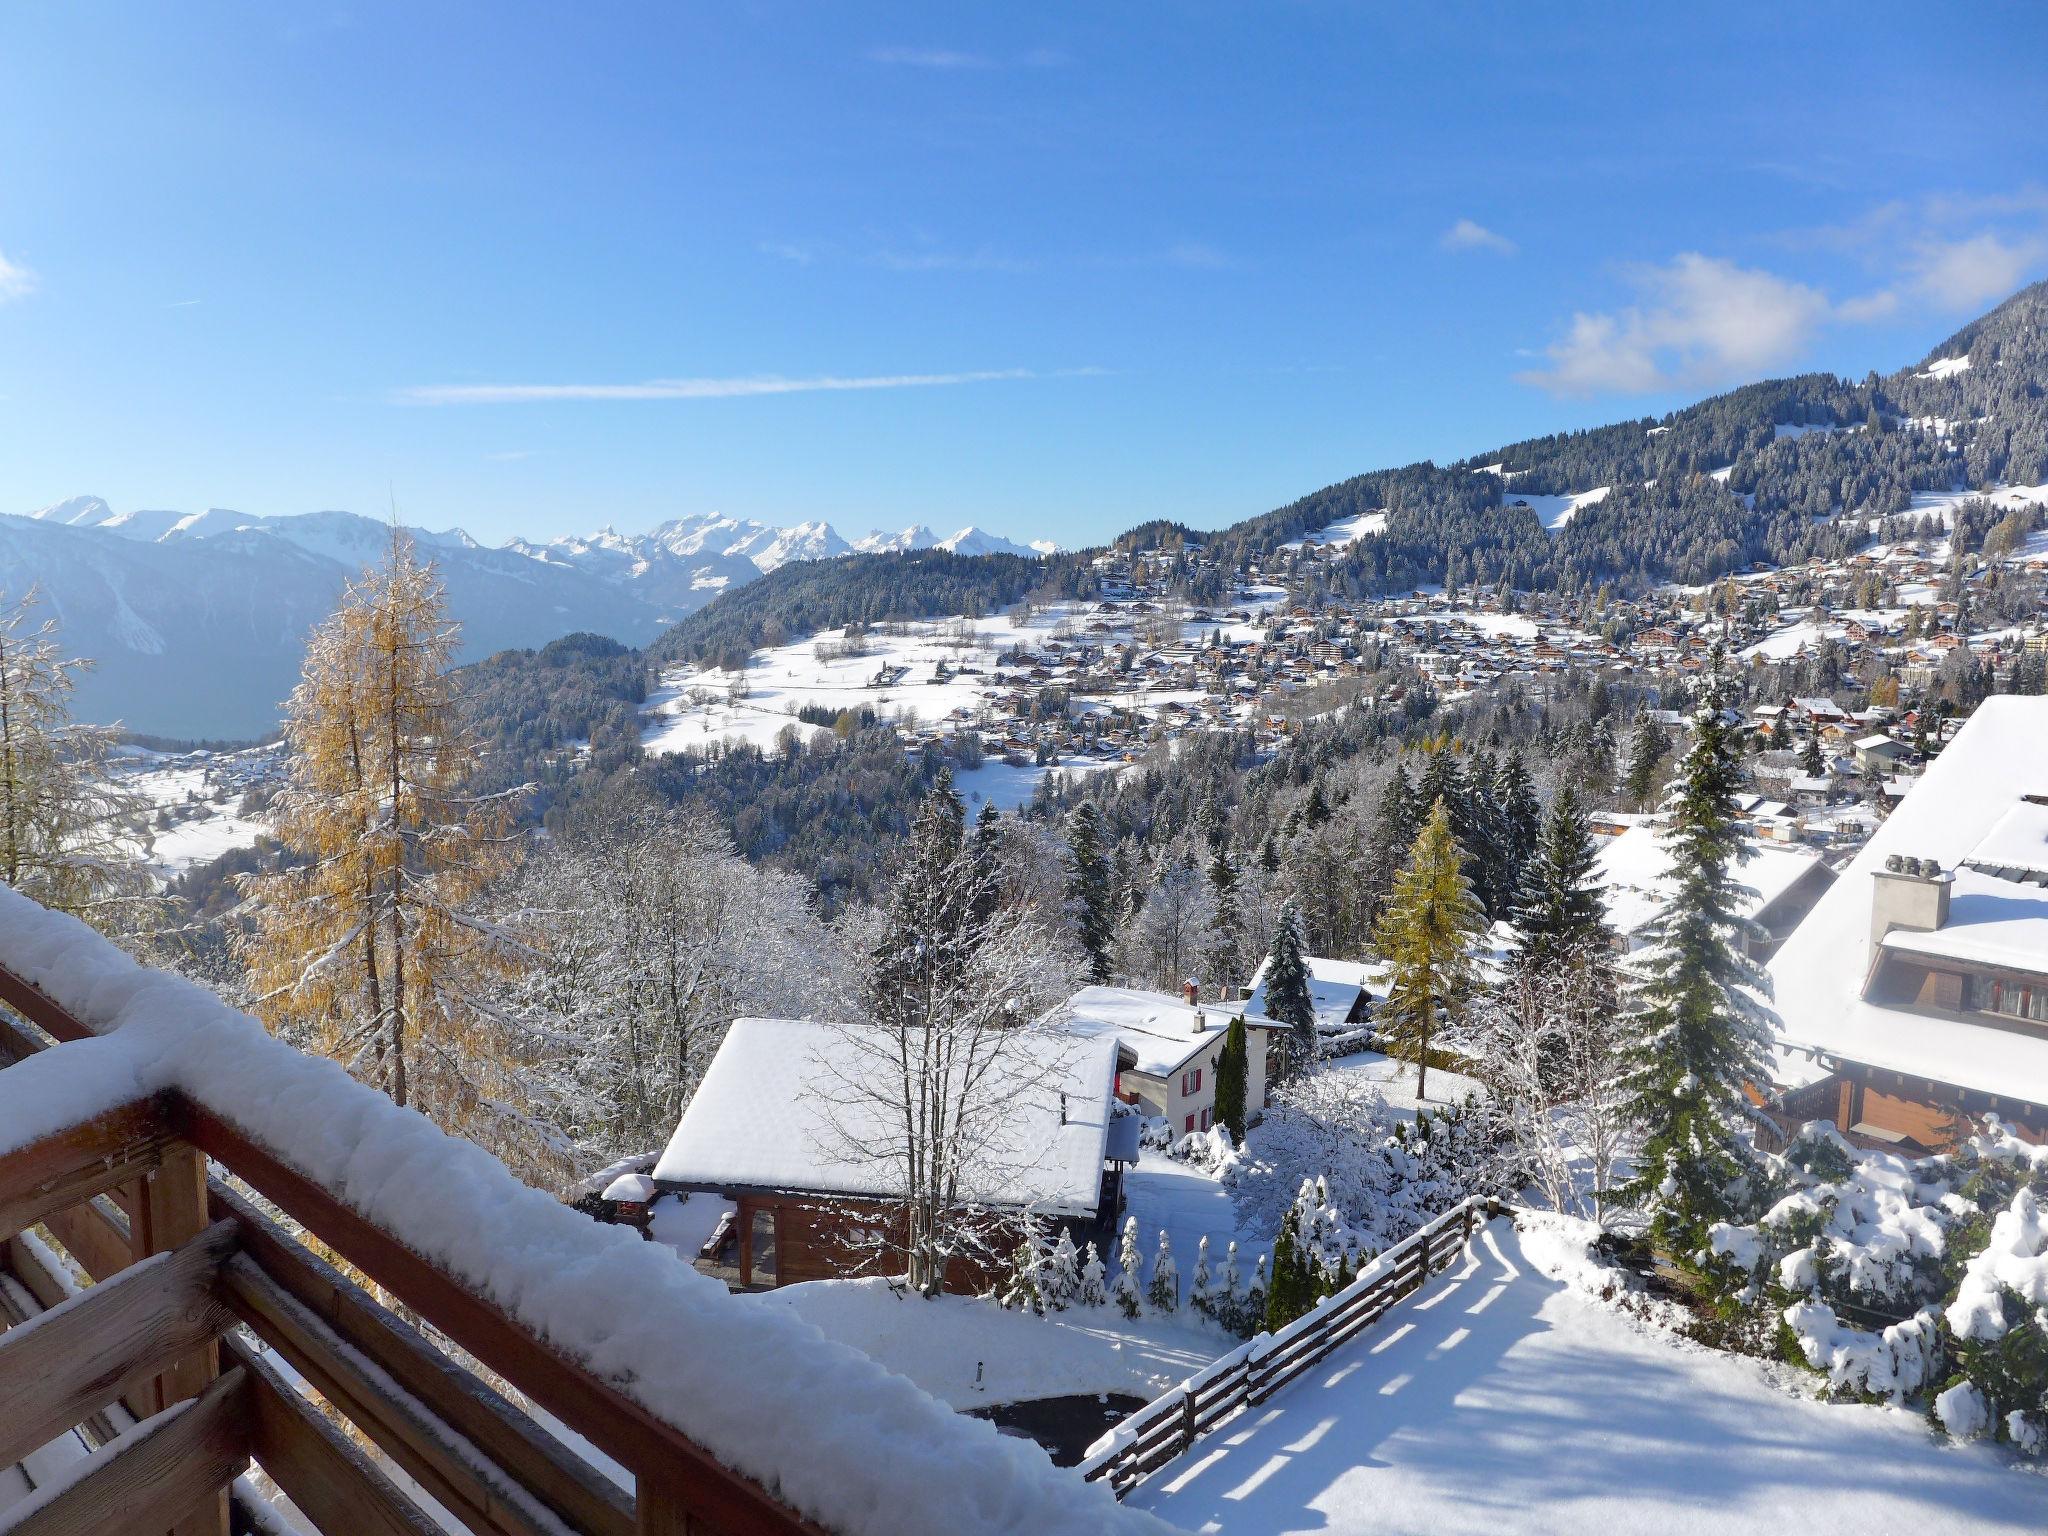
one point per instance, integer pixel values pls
(1504, 1400)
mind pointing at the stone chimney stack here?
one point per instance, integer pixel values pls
(1908, 893)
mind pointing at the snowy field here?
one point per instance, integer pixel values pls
(1509, 1399)
(1554, 512)
(940, 1343)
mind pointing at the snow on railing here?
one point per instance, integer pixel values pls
(1165, 1429)
(826, 1430)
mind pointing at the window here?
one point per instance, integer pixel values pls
(1198, 1081)
(1191, 1123)
(1206, 1118)
(2015, 999)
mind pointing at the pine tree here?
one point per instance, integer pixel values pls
(985, 854)
(367, 946)
(1811, 763)
(1130, 1265)
(1393, 829)
(1201, 1284)
(1425, 938)
(1291, 1291)
(1233, 1067)
(1288, 1000)
(1163, 1294)
(1091, 1292)
(1646, 754)
(1521, 816)
(1698, 1031)
(1230, 1299)
(1562, 915)
(1059, 1279)
(1020, 1291)
(65, 827)
(1257, 1295)
(1089, 897)
(1224, 954)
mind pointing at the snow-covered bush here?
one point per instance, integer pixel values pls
(1156, 1133)
(1387, 1177)
(1163, 1294)
(1212, 1150)
(1959, 1241)
(1129, 1265)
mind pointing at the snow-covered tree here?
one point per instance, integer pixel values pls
(1127, 1292)
(936, 1056)
(1090, 900)
(67, 835)
(1021, 1289)
(1165, 940)
(1059, 1280)
(1425, 936)
(1287, 994)
(1699, 1030)
(1092, 1291)
(369, 943)
(652, 934)
(1201, 1284)
(1163, 1293)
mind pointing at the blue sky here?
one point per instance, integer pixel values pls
(533, 268)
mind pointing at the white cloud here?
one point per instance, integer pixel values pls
(1869, 307)
(16, 281)
(1468, 235)
(1971, 273)
(1702, 321)
(983, 260)
(696, 389)
(928, 58)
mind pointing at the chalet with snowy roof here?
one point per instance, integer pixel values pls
(1634, 872)
(1166, 1049)
(791, 1125)
(1916, 992)
(1342, 991)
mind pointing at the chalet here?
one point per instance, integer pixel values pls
(784, 1127)
(1166, 1050)
(1882, 753)
(1915, 995)
(1634, 869)
(1342, 991)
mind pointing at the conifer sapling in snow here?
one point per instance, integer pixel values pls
(1164, 1292)
(1127, 1292)
(1256, 1296)
(1059, 1279)
(1092, 1291)
(1201, 1299)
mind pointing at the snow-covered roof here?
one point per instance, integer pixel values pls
(1333, 986)
(1964, 801)
(1635, 869)
(783, 1107)
(2018, 840)
(1161, 1031)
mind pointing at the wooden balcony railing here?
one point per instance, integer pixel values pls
(209, 1321)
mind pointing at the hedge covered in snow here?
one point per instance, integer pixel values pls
(1953, 1248)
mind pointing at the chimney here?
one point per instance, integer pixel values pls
(1192, 990)
(1908, 893)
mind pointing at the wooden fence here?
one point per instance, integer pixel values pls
(1165, 1429)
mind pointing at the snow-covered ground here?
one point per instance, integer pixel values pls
(1395, 1082)
(1554, 512)
(1507, 1398)
(942, 1343)
(195, 801)
(1343, 533)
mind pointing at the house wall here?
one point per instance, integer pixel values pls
(1163, 1096)
(1932, 1114)
(816, 1239)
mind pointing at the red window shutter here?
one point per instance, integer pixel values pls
(1191, 1122)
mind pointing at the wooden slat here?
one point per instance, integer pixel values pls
(78, 1356)
(40, 1009)
(395, 1422)
(147, 1480)
(79, 1162)
(712, 1493)
(336, 1487)
(95, 1233)
(579, 1494)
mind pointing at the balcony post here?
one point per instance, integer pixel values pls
(170, 1210)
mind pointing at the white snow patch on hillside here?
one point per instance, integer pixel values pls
(1343, 533)
(1947, 368)
(1554, 512)
(1507, 1398)
(1785, 429)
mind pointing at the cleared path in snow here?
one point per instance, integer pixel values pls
(1503, 1400)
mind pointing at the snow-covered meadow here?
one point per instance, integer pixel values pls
(194, 801)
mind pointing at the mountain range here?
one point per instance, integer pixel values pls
(196, 621)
